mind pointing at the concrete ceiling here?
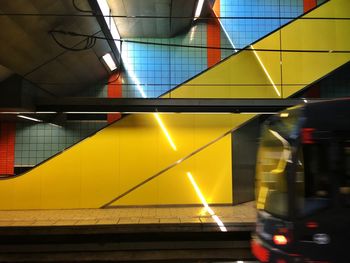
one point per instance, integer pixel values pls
(28, 49)
(152, 27)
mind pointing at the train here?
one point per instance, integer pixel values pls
(303, 185)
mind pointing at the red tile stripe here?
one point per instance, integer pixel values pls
(309, 4)
(114, 91)
(314, 91)
(7, 147)
(213, 37)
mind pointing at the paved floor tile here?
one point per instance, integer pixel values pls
(123, 221)
(129, 215)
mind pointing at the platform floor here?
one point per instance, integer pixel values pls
(243, 213)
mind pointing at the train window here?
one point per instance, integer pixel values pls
(271, 180)
(313, 184)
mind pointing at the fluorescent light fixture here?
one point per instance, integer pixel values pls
(165, 131)
(205, 204)
(29, 118)
(266, 72)
(305, 100)
(107, 58)
(109, 21)
(284, 114)
(104, 8)
(198, 9)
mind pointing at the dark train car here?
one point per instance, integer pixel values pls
(303, 185)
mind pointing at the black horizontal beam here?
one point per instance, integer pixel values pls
(103, 105)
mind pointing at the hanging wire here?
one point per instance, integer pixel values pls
(90, 40)
(205, 47)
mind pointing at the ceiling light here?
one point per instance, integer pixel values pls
(107, 58)
(106, 12)
(198, 9)
(29, 118)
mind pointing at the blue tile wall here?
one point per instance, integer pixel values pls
(160, 68)
(245, 31)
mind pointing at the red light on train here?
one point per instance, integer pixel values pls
(260, 252)
(306, 135)
(312, 224)
(280, 240)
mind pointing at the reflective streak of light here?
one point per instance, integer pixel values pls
(128, 66)
(165, 131)
(266, 72)
(227, 35)
(205, 204)
(193, 30)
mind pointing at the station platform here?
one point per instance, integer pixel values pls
(133, 234)
(243, 213)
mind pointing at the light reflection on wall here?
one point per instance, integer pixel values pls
(205, 204)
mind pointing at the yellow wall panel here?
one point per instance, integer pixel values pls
(173, 187)
(269, 61)
(7, 194)
(215, 178)
(103, 178)
(61, 179)
(238, 77)
(27, 193)
(138, 146)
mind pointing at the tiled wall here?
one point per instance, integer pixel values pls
(156, 69)
(247, 30)
(37, 142)
(160, 68)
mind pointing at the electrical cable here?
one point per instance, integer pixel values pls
(205, 47)
(55, 57)
(90, 41)
(177, 17)
(184, 84)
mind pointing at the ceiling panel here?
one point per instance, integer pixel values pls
(152, 27)
(28, 49)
